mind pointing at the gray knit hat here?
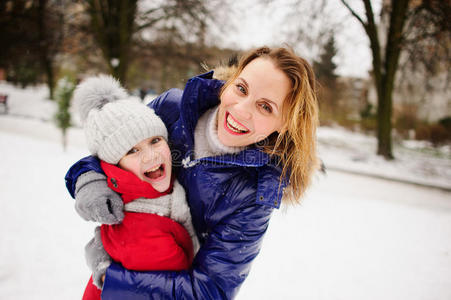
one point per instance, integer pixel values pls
(113, 121)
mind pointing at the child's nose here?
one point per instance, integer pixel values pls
(147, 155)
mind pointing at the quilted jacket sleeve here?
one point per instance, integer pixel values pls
(86, 164)
(221, 265)
(169, 111)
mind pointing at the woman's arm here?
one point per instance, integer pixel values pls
(167, 106)
(219, 268)
(86, 164)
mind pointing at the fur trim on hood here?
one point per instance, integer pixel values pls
(225, 70)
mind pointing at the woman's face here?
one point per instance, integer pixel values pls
(251, 107)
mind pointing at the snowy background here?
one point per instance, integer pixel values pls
(368, 229)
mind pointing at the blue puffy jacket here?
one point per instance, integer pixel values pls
(231, 199)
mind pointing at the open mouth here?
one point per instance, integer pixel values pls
(155, 173)
(234, 126)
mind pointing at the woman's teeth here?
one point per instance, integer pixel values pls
(234, 126)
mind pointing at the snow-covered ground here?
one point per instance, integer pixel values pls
(353, 237)
(416, 161)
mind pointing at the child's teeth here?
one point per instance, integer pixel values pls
(154, 169)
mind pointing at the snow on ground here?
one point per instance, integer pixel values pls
(353, 237)
(41, 237)
(30, 102)
(416, 161)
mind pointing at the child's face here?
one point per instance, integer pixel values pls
(150, 160)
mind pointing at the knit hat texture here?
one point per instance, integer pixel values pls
(114, 122)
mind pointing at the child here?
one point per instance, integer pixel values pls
(130, 140)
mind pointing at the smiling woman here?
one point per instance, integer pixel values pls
(241, 148)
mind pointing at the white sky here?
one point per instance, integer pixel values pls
(254, 24)
(246, 24)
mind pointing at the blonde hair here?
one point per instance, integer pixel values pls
(295, 144)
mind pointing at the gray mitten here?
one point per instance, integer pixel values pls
(95, 201)
(97, 258)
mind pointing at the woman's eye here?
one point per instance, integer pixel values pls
(155, 140)
(241, 89)
(266, 107)
(132, 150)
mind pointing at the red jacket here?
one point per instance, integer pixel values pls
(144, 241)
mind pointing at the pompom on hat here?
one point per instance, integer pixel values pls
(114, 122)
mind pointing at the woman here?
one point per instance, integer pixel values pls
(237, 145)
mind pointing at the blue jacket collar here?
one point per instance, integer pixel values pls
(200, 94)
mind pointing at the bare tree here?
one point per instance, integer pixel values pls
(20, 63)
(113, 25)
(31, 38)
(314, 24)
(118, 26)
(428, 39)
(50, 22)
(385, 64)
(420, 29)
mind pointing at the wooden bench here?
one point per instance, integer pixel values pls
(4, 102)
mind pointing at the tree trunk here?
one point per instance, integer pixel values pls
(113, 25)
(45, 59)
(393, 48)
(384, 66)
(384, 125)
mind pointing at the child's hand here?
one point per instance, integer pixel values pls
(95, 201)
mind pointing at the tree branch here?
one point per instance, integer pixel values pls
(149, 23)
(394, 38)
(354, 13)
